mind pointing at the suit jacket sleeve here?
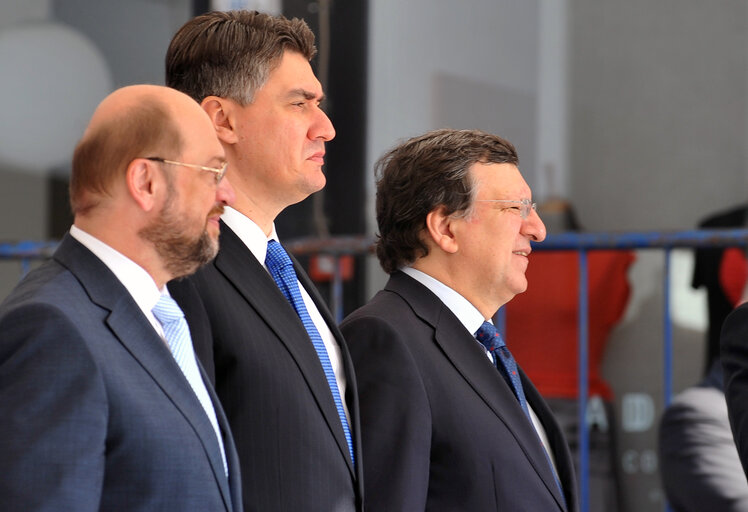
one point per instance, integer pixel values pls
(395, 417)
(734, 357)
(699, 462)
(54, 414)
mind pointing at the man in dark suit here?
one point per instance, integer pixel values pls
(734, 359)
(448, 421)
(282, 369)
(699, 463)
(711, 266)
(97, 414)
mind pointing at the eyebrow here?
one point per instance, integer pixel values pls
(217, 159)
(307, 95)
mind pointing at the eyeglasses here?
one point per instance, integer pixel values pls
(219, 172)
(525, 205)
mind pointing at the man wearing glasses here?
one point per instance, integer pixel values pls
(104, 406)
(448, 420)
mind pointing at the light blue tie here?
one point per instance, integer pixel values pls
(177, 334)
(281, 268)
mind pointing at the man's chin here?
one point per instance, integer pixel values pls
(209, 244)
(213, 231)
(316, 181)
(214, 246)
(202, 252)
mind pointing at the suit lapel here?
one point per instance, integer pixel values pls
(463, 351)
(558, 444)
(136, 334)
(232, 457)
(240, 267)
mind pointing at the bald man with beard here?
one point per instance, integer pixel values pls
(97, 412)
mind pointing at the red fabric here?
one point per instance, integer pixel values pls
(541, 324)
(733, 274)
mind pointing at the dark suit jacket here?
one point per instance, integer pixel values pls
(442, 430)
(699, 463)
(291, 445)
(706, 273)
(734, 358)
(96, 414)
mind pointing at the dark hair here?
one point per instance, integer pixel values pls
(231, 54)
(422, 174)
(104, 152)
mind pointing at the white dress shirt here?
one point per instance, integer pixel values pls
(472, 319)
(133, 277)
(257, 243)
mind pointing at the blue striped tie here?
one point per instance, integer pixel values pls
(281, 268)
(177, 334)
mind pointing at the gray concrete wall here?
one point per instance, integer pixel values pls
(133, 36)
(657, 141)
(436, 63)
(23, 201)
(658, 102)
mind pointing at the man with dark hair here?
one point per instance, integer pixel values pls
(104, 406)
(282, 369)
(449, 422)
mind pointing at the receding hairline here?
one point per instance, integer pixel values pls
(118, 103)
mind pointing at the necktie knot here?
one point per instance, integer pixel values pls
(276, 257)
(489, 337)
(167, 310)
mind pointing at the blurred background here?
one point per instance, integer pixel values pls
(634, 112)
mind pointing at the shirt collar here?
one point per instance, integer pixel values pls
(133, 277)
(248, 232)
(465, 312)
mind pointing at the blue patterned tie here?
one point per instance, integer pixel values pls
(281, 268)
(494, 343)
(177, 335)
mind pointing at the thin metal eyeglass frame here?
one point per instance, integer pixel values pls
(219, 172)
(525, 205)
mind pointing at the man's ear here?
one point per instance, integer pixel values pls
(439, 229)
(221, 112)
(141, 184)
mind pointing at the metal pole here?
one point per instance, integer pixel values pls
(667, 363)
(667, 332)
(584, 444)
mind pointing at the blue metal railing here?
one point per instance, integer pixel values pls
(583, 242)
(580, 242)
(26, 252)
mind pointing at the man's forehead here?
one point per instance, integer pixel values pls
(294, 75)
(499, 176)
(199, 136)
